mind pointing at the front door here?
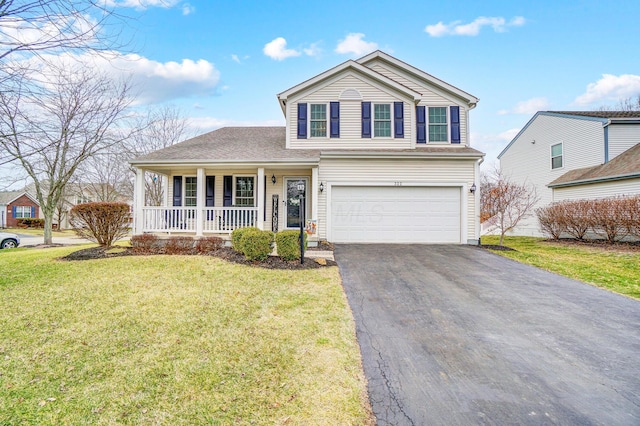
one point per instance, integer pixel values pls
(292, 201)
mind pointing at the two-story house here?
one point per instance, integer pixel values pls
(570, 155)
(379, 148)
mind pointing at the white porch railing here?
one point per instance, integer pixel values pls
(184, 219)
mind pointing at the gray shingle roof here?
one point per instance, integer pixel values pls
(263, 145)
(233, 144)
(624, 166)
(601, 114)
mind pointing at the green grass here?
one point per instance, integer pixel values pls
(174, 340)
(606, 267)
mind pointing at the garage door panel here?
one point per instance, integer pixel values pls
(395, 214)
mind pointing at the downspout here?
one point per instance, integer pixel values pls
(606, 141)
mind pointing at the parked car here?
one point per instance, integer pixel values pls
(9, 240)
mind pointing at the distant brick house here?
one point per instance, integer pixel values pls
(16, 205)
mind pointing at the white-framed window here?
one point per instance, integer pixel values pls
(190, 191)
(382, 120)
(318, 120)
(81, 199)
(244, 191)
(437, 119)
(23, 212)
(557, 160)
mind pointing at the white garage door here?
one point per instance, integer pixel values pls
(389, 214)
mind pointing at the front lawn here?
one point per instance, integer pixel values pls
(610, 267)
(174, 340)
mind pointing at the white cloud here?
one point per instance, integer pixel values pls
(235, 58)
(277, 49)
(527, 107)
(206, 124)
(141, 4)
(152, 81)
(610, 88)
(187, 9)
(353, 43)
(313, 49)
(499, 24)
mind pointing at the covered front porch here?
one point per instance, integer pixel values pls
(216, 199)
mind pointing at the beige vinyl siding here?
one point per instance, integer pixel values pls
(350, 116)
(430, 95)
(527, 162)
(598, 190)
(622, 137)
(386, 172)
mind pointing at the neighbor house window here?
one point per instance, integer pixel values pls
(23, 211)
(318, 121)
(245, 191)
(556, 156)
(438, 124)
(190, 191)
(382, 120)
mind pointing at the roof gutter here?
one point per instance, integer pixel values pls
(595, 180)
(402, 155)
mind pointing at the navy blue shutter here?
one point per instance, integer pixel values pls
(264, 193)
(177, 191)
(302, 121)
(455, 124)
(398, 118)
(210, 191)
(335, 119)
(227, 191)
(421, 124)
(33, 211)
(13, 211)
(366, 119)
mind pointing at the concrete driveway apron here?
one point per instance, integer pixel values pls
(454, 335)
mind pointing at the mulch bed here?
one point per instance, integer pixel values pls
(226, 253)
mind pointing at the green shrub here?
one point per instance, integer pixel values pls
(236, 238)
(288, 243)
(207, 245)
(256, 244)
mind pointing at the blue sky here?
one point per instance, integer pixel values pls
(222, 63)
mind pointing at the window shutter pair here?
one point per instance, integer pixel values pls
(334, 120)
(398, 119)
(421, 124)
(209, 194)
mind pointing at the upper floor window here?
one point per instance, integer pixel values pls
(556, 156)
(190, 191)
(382, 120)
(438, 124)
(244, 191)
(23, 211)
(318, 121)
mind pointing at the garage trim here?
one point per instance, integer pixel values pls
(464, 190)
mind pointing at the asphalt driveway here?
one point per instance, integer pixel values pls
(455, 335)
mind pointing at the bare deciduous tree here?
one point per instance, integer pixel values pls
(505, 203)
(36, 26)
(161, 128)
(51, 128)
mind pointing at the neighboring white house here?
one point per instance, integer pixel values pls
(379, 147)
(570, 155)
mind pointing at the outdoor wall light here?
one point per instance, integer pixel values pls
(321, 186)
(273, 179)
(473, 188)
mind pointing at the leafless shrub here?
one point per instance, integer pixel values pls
(178, 245)
(577, 218)
(208, 245)
(101, 222)
(608, 216)
(145, 244)
(552, 219)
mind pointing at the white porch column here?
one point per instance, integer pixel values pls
(138, 202)
(315, 188)
(260, 187)
(200, 196)
(165, 190)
